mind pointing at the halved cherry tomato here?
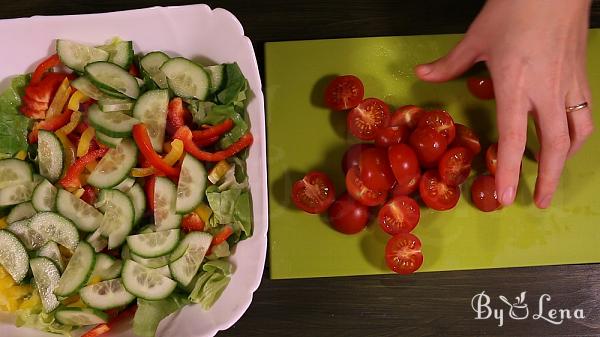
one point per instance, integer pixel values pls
(483, 193)
(429, 146)
(192, 223)
(466, 137)
(441, 121)
(357, 189)
(347, 215)
(407, 115)
(391, 135)
(399, 215)
(436, 194)
(491, 158)
(344, 92)
(455, 165)
(403, 253)
(314, 193)
(90, 194)
(177, 116)
(405, 167)
(368, 116)
(352, 155)
(481, 87)
(375, 169)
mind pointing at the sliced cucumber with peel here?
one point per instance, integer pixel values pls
(111, 142)
(22, 211)
(110, 77)
(125, 185)
(14, 172)
(138, 199)
(44, 197)
(51, 251)
(153, 244)
(151, 64)
(185, 268)
(106, 295)
(186, 78)
(84, 216)
(165, 197)
(145, 282)
(50, 155)
(121, 53)
(16, 194)
(76, 55)
(191, 185)
(13, 256)
(217, 76)
(46, 277)
(88, 88)
(80, 316)
(78, 270)
(30, 238)
(118, 218)
(115, 104)
(151, 109)
(56, 228)
(106, 268)
(113, 124)
(97, 241)
(115, 166)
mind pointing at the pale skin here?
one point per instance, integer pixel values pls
(535, 51)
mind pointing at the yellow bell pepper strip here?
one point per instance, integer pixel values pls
(79, 192)
(175, 152)
(72, 124)
(204, 211)
(69, 149)
(77, 98)
(3, 223)
(218, 171)
(60, 99)
(71, 178)
(21, 155)
(91, 166)
(85, 141)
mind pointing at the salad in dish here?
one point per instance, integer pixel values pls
(123, 187)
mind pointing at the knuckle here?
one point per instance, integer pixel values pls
(587, 130)
(512, 139)
(560, 142)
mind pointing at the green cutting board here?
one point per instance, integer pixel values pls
(303, 135)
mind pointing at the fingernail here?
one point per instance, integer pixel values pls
(425, 69)
(545, 201)
(508, 196)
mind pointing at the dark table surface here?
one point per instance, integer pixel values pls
(426, 304)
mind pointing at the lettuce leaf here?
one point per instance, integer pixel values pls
(150, 313)
(13, 125)
(212, 281)
(234, 91)
(217, 114)
(223, 203)
(35, 318)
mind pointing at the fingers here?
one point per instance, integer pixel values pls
(581, 123)
(459, 60)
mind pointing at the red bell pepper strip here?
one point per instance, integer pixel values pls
(50, 124)
(38, 95)
(71, 178)
(213, 131)
(43, 67)
(206, 141)
(89, 195)
(192, 223)
(149, 188)
(98, 330)
(103, 328)
(223, 235)
(185, 134)
(133, 70)
(140, 135)
(177, 115)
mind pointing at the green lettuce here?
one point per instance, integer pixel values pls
(35, 318)
(235, 86)
(217, 114)
(214, 278)
(13, 125)
(223, 203)
(231, 207)
(150, 313)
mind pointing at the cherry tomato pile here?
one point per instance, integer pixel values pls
(405, 155)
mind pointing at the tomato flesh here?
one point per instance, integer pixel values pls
(367, 117)
(314, 193)
(481, 87)
(348, 216)
(455, 165)
(436, 194)
(483, 193)
(375, 170)
(403, 253)
(491, 158)
(429, 146)
(466, 137)
(344, 92)
(441, 121)
(357, 189)
(390, 135)
(407, 116)
(352, 155)
(399, 215)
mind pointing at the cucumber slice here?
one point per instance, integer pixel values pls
(115, 104)
(30, 238)
(153, 262)
(88, 88)
(76, 55)
(186, 78)
(110, 77)
(145, 282)
(80, 316)
(106, 295)
(151, 64)
(22, 211)
(185, 268)
(216, 74)
(113, 124)
(151, 109)
(50, 155)
(118, 218)
(164, 271)
(125, 185)
(46, 277)
(51, 251)
(191, 185)
(84, 216)
(16, 194)
(106, 267)
(153, 244)
(121, 53)
(14, 172)
(138, 199)
(107, 140)
(44, 197)
(115, 166)
(13, 256)
(165, 196)
(97, 241)
(78, 270)
(56, 228)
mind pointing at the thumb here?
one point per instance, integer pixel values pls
(459, 60)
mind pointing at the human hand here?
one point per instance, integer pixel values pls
(536, 53)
